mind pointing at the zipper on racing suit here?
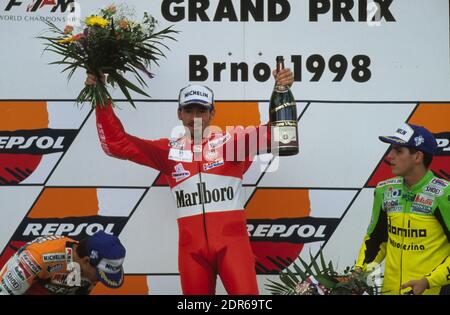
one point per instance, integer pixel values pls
(203, 203)
(409, 196)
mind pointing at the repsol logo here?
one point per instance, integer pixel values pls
(203, 196)
(38, 141)
(75, 227)
(38, 229)
(407, 232)
(443, 143)
(225, 10)
(34, 5)
(296, 230)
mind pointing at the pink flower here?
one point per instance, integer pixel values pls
(303, 288)
(111, 9)
(68, 29)
(124, 25)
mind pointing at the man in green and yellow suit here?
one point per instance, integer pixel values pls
(410, 225)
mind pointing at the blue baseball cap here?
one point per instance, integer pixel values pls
(413, 136)
(107, 254)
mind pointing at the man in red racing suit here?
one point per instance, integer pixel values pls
(205, 177)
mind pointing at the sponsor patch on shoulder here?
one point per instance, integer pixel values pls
(12, 280)
(423, 204)
(52, 257)
(69, 254)
(420, 208)
(392, 193)
(180, 155)
(214, 164)
(219, 141)
(176, 144)
(390, 204)
(396, 209)
(391, 181)
(30, 262)
(54, 268)
(433, 190)
(439, 182)
(180, 173)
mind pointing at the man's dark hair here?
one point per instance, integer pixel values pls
(427, 157)
(82, 248)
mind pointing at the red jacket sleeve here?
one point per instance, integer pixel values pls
(249, 142)
(117, 143)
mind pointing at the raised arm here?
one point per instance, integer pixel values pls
(117, 143)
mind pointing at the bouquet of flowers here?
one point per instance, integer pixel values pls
(310, 279)
(109, 43)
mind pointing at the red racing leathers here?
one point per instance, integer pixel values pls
(213, 237)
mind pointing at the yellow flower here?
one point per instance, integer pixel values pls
(71, 39)
(96, 21)
(65, 40)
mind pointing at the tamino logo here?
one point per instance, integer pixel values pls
(279, 224)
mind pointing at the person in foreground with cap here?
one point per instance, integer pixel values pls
(204, 172)
(60, 265)
(410, 225)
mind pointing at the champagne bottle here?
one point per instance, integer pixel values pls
(283, 118)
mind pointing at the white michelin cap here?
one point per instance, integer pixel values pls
(196, 94)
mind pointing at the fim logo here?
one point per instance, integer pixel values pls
(33, 6)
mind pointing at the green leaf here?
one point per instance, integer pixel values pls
(306, 267)
(326, 281)
(330, 267)
(292, 276)
(124, 90)
(121, 80)
(287, 280)
(299, 271)
(322, 260)
(314, 264)
(277, 286)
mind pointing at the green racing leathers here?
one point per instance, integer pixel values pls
(410, 229)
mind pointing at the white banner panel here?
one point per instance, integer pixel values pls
(402, 55)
